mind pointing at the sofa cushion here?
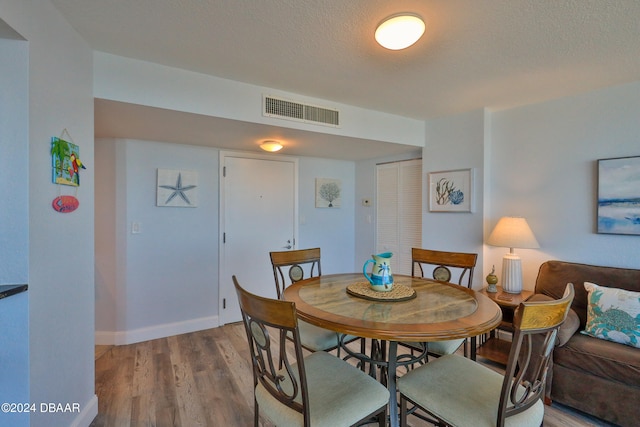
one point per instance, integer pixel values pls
(554, 276)
(605, 359)
(613, 314)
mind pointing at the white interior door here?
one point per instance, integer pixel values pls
(258, 214)
(399, 211)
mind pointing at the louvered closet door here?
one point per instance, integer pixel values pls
(399, 211)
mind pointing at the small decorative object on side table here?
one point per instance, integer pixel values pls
(492, 279)
(492, 347)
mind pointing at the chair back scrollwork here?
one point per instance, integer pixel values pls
(264, 318)
(440, 265)
(292, 266)
(536, 327)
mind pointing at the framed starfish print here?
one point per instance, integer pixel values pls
(177, 188)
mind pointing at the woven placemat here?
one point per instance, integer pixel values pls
(398, 293)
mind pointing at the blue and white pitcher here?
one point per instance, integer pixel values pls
(381, 278)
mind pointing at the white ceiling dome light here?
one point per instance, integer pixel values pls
(400, 31)
(271, 146)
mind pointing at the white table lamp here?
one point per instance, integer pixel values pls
(512, 232)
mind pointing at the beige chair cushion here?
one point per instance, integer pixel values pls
(445, 347)
(315, 338)
(439, 348)
(463, 393)
(339, 395)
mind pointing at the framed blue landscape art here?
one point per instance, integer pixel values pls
(619, 195)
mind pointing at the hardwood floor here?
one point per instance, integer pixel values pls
(201, 379)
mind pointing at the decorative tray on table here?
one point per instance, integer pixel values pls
(398, 293)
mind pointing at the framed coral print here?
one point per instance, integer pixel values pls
(328, 192)
(619, 195)
(451, 191)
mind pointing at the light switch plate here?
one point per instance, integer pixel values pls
(135, 228)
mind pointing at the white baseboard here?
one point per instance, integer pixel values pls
(155, 332)
(504, 335)
(87, 414)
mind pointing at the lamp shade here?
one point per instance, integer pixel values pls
(513, 232)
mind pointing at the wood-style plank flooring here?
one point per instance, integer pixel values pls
(201, 379)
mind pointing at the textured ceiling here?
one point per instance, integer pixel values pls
(475, 53)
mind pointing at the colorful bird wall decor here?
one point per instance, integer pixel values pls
(66, 166)
(65, 162)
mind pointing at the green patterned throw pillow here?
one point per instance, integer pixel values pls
(613, 314)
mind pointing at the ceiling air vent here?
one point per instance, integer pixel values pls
(284, 109)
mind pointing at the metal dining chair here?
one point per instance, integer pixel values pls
(292, 266)
(319, 390)
(460, 392)
(452, 267)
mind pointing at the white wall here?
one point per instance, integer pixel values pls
(164, 280)
(14, 357)
(60, 246)
(14, 224)
(144, 83)
(544, 167)
(139, 82)
(538, 161)
(456, 142)
(171, 264)
(106, 237)
(329, 229)
(14, 160)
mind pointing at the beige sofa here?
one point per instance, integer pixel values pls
(599, 377)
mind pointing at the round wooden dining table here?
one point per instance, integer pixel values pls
(436, 311)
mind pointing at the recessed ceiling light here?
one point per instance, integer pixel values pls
(400, 31)
(270, 145)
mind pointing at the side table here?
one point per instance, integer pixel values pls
(491, 346)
